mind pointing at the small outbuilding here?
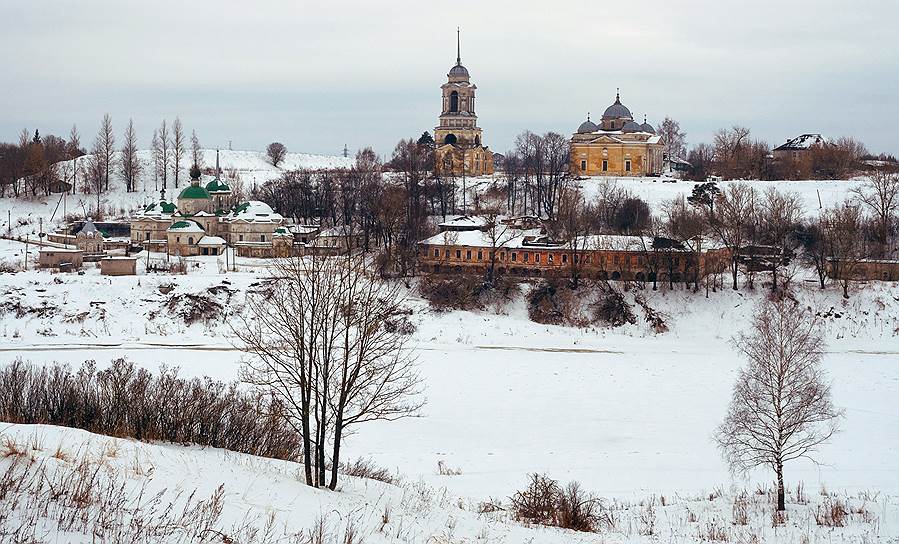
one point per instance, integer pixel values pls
(62, 258)
(118, 266)
(211, 245)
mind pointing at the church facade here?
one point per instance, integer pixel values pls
(459, 140)
(618, 146)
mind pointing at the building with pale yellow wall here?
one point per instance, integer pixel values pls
(460, 149)
(618, 146)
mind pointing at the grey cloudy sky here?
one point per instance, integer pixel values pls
(316, 75)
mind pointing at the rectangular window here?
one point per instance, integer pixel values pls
(627, 166)
(564, 258)
(262, 238)
(468, 255)
(550, 258)
(527, 257)
(583, 166)
(241, 237)
(436, 253)
(480, 255)
(502, 255)
(458, 253)
(605, 166)
(536, 257)
(514, 257)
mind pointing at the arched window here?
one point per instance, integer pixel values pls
(450, 139)
(454, 101)
(190, 239)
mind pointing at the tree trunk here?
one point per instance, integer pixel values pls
(734, 268)
(335, 458)
(781, 506)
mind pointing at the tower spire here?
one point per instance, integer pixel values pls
(617, 95)
(218, 170)
(458, 48)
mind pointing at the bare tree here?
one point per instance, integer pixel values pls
(320, 341)
(75, 143)
(497, 235)
(130, 166)
(880, 195)
(276, 152)
(845, 242)
(780, 214)
(674, 138)
(178, 146)
(162, 154)
(781, 407)
(106, 139)
(196, 152)
(96, 174)
(731, 218)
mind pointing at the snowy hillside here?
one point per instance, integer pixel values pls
(84, 488)
(243, 168)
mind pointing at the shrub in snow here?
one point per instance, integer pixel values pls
(612, 309)
(129, 402)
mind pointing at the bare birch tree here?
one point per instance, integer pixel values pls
(781, 409)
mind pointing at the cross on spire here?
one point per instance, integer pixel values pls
(618, 95)
(458, 48)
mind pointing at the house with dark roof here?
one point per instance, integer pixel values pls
(794, 148)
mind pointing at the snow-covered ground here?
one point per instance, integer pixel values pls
(626, 412)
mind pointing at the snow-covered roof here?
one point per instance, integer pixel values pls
(58, 250)
(464, 222)
(89, 228)
(185, 225)
(304, 229)
(339, 230)
(254, 210)
(534, 239)
(211, 241)
(804, 141)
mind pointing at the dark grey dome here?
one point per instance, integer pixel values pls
(632, 126)
(617, 110)
(458, 71)
(646, 127)
(587, 127)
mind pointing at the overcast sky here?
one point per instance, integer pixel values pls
(316, 75)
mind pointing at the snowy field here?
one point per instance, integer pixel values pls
(627, 413)
(814, 194)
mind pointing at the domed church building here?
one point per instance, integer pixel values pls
(617, 146)
(460, 149)
(205, 219)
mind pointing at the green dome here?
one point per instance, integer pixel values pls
(195, 192)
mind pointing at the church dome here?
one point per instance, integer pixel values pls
(617, 110)
(458, 71)
(194, 192)
(587, 127)
(632, 126)
(647, 128)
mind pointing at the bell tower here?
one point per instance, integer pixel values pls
(458, 120)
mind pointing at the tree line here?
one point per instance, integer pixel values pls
(43, 164)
